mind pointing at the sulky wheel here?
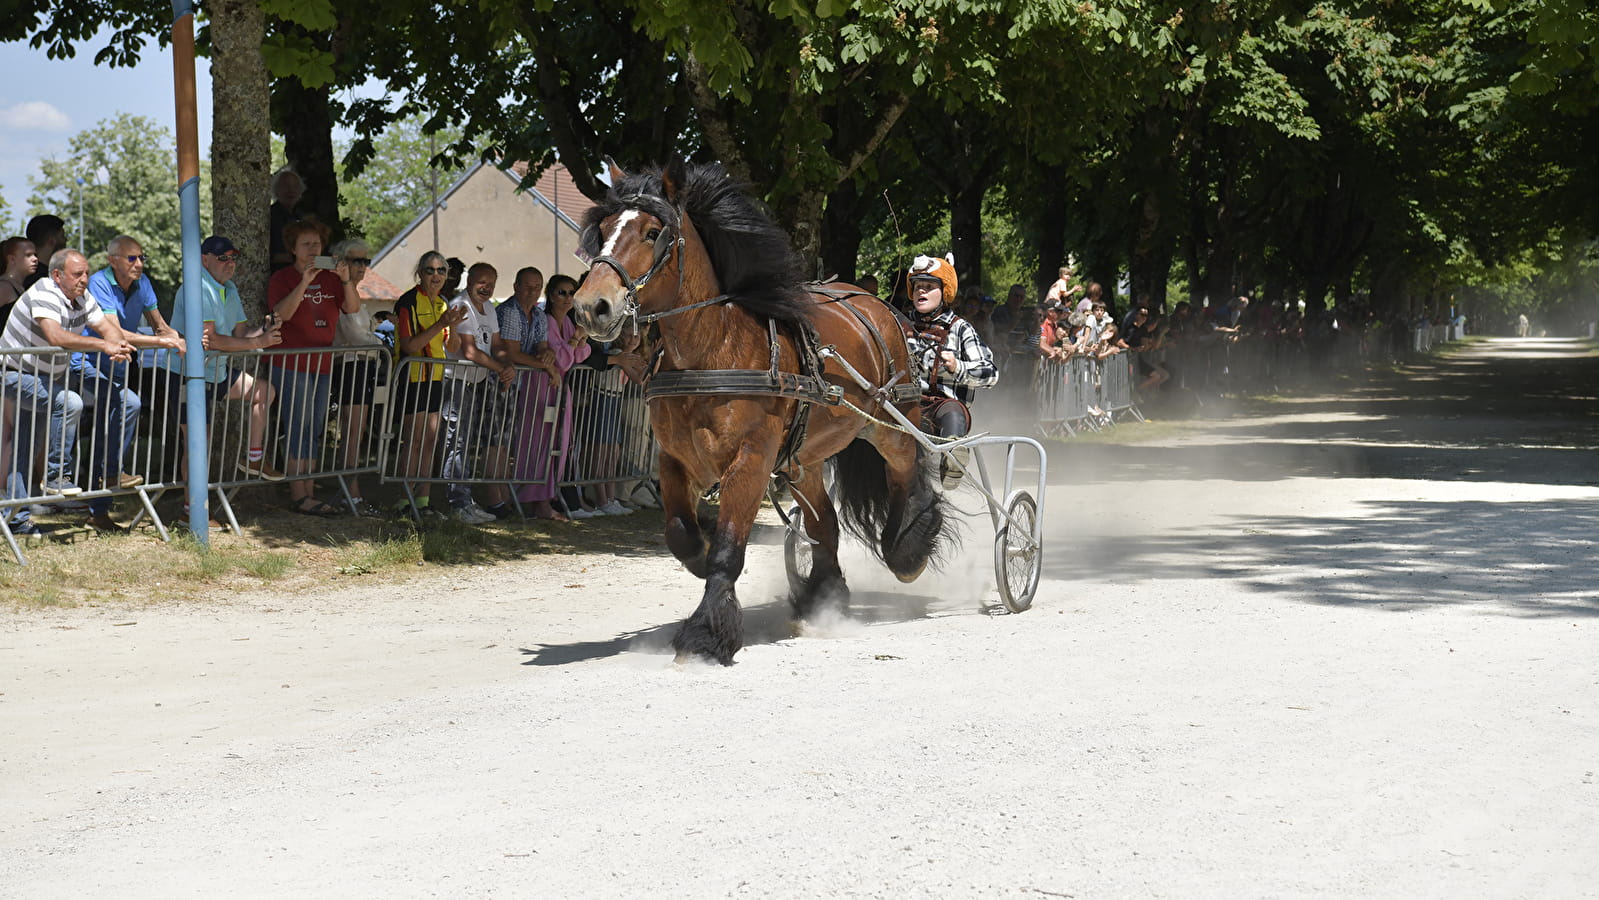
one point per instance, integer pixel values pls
(1017, 556)
(797, 553)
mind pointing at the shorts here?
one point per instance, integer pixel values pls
(302, 409)
(415, 397)
(355, 383)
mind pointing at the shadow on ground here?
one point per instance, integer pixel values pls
(1520, 559)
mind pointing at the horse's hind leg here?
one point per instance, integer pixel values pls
(824, 587)
(914, 531)
(680, 504)
(716, 628)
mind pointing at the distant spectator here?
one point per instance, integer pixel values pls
(477, 404)
(17, 262)
(287, 190)
(49, 234)
(1063, 289)
(452, 282)
(425, 319)
(52, 313)
(356, 376)
(384, 328)
(307, 301)
(224, 329)
(615, 364)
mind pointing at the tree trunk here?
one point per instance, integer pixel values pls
(841, 233)
(966, 231)
(1049, 238)
(306, 120)
(241, 142)
(1149, 258)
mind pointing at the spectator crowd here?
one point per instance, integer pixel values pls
(506, 398)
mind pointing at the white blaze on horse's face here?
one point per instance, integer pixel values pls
(627, 216)
(599, 305)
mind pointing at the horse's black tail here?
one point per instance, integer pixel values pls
(905, 539)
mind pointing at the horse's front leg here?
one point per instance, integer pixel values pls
(824, 586)
(716, 629)
(680, 502)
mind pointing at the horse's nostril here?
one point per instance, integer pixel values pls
(601, 309)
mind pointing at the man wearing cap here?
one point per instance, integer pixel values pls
(953, 357)
(223, 329)
(52, 313)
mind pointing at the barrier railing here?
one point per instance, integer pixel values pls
(1083, 393)
(612, 442)
(454, 423)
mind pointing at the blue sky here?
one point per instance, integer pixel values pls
(48, 101)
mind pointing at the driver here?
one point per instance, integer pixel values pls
(954, 360)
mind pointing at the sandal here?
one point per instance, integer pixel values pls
(311, 506)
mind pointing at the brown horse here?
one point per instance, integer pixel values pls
(733, 401)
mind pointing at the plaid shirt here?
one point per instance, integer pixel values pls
(974, 362)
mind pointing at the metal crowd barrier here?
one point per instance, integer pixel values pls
(612, 442)
(1083, 393)
(452, 423)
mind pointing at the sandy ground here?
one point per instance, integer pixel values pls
(1346, 649)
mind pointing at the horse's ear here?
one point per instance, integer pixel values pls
(616, 171)
(674, 178)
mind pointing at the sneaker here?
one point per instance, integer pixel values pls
(429, 514)
(26, 529)
(124, 480)
(61, 487)
(472, 514)
(614, 508)
(260, 468)
(581, 513)
(483, 515)
(500, 510)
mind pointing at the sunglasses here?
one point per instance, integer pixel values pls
(227, 257)
(357, 261)
(435, 270)
(133, 259)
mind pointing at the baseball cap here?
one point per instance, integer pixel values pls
(216, 245)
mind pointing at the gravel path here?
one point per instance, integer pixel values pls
(1344, 649)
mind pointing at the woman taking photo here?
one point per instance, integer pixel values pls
(307, 300)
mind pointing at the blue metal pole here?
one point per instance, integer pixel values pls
(189, 214)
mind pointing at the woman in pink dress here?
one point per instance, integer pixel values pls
(542, 442)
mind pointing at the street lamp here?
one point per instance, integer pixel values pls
(80, 213)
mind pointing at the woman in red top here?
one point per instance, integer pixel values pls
(307, 300)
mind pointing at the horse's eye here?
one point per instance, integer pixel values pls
(652, 234)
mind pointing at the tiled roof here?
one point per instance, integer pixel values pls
(557, 186)
(376, 287)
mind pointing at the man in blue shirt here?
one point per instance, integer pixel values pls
(224, 330)
(125, 294)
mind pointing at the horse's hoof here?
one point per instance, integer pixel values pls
(908, 577)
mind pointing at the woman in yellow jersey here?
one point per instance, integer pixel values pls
(423, 317)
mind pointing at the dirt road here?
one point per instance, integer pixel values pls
(1343, 649)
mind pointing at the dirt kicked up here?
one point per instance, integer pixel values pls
(1341, 647)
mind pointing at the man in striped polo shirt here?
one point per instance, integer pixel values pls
(51, 314)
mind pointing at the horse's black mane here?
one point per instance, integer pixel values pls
(753, 259)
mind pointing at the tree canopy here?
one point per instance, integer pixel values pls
(1395, 150)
